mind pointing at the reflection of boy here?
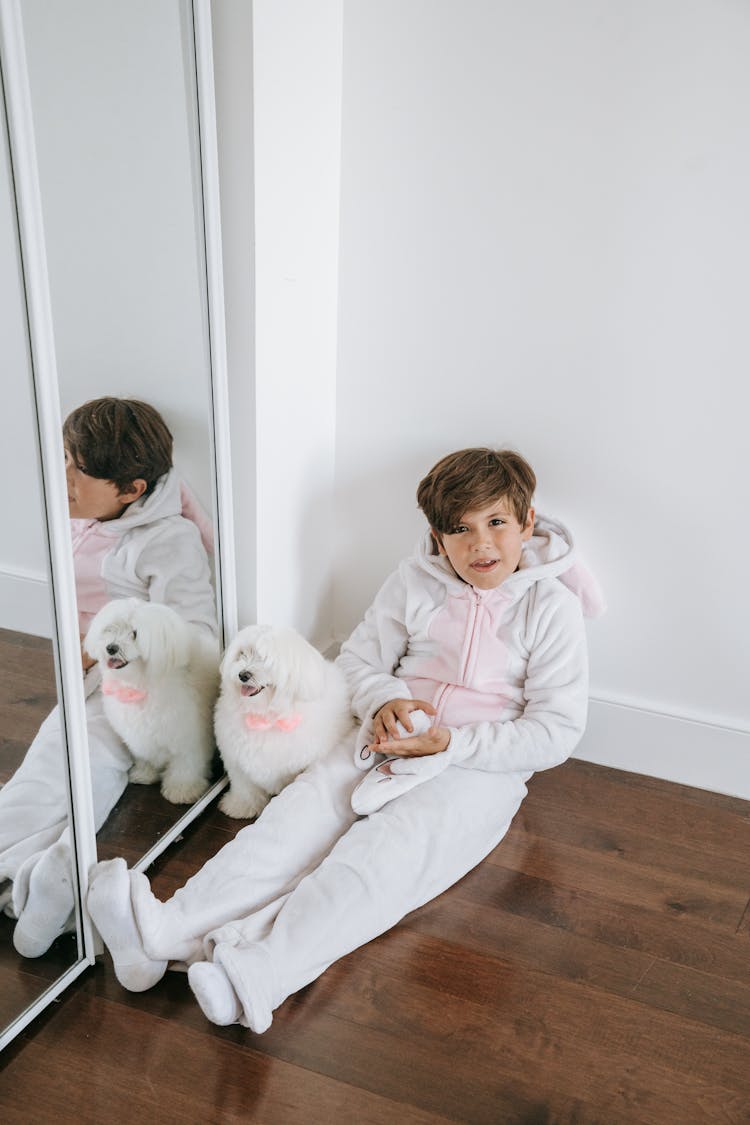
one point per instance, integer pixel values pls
(130, 539)
(476, 631)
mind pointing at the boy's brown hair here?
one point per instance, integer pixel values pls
(119, 440)
(472, 479)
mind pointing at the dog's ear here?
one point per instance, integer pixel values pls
(109, 612)
(300, 669)
(230, 655)
(162, 636)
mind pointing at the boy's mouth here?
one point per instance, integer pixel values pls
(484, 565)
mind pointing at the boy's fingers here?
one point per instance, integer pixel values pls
(390, 726)
(406, 722)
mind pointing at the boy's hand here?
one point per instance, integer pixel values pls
(388, 739)
(433, 741)
(384, 724)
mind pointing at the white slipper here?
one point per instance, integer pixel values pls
(392, 778)
(379, 786)
(382, 783)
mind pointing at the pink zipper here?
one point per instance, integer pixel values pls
(444, 693)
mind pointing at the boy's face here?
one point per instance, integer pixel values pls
(486, 546)
(91, 498)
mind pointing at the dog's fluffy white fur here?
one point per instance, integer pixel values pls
(160, 680)
(282, 707)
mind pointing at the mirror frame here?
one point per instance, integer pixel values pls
(46, 398)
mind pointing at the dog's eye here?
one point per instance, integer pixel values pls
(134, 634)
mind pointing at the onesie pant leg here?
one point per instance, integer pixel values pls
(384, 867)
(35, 835)
(34, 802)
(258, 868)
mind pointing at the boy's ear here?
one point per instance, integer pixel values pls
(133, 491)
(528, 527)
(437, 542)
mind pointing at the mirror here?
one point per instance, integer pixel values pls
(119, 169)
(115, 117)
(29, 675)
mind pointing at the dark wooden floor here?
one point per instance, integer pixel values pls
(595, 968)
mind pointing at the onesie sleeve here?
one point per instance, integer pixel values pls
(556, 701)
(375, 649)
(175, 569)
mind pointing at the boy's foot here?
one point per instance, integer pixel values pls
(249, 971)
(214, 992)
(49, 903)
(112, 911)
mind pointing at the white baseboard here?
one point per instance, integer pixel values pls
(706, 755)
(25, 602)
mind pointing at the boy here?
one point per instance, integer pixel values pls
(130, 539)
(470, 671)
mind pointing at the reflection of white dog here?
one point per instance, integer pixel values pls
(282, 706)
(160, 679)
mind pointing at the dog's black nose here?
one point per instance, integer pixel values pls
(243, 676)
(113, 649)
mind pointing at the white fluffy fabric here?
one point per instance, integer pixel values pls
(110, 906)
(49, 902)
(274, 676)
(159, 682)
(213, 990)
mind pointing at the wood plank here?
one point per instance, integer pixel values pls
(606, 874)
(153, 1069)
(615, 798)
(628, 843)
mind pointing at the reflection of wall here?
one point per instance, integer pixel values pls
(23, 596)
(115, 146)
(544, 242)
(115, 125)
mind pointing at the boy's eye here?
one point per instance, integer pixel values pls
(456, 530)
(497, 523)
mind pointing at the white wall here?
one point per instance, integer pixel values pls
(544, 243)
(24, 602)
(297, 143)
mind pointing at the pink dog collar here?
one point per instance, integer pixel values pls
(123, 693)
(268, 721)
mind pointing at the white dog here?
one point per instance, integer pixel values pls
(160, 679)
(282, 706)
